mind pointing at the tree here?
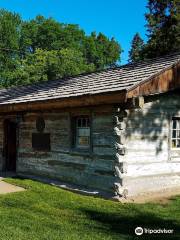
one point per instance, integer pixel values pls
(135, 54)
(163, 26)
(48, 34)
(101, 51)
(44, 49)
(43, 65)
(10, 27)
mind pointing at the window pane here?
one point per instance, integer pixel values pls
(82, 131)
(88, 123)
(84, 122)
(79, 122)
(178, 143)
(173, 143)
(178, 124)
(174, 133)
(174, 124)
(83, 141)
(178, 133)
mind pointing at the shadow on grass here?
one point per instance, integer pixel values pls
(125, 225)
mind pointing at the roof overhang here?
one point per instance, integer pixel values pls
(80, 101)
(167, 80)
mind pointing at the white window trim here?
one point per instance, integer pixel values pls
(171, 138)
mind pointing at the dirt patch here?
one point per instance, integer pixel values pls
(9, 188)
(162, 197)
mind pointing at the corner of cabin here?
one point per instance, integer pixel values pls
(152, 145)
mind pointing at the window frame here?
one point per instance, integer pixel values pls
(74, 144)
(171, 132)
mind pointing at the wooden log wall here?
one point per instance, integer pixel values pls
(152, 164)
(130, 150)
(119, 144)
(91, 169)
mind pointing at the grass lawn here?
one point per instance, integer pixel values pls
(49, 213)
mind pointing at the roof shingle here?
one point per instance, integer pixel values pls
(114, 79)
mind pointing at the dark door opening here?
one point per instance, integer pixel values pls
(10, 141)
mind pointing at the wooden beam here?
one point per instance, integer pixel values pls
(83, 101)
(134, 102)
(164, 82)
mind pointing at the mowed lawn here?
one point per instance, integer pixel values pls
(48, 213)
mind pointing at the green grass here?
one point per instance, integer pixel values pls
(48, 213)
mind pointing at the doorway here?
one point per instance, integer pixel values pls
(10, 145)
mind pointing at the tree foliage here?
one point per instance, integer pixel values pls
(9, 39)
(163, 26)
(101, 51)
(43, 49)
(163, 31)
(137, 45)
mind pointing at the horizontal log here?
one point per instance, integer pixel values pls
(134, 102)
(72, 165)
(86, 100)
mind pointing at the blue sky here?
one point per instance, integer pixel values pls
(115, 18)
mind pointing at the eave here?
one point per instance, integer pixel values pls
(81, 101)
(167, 80)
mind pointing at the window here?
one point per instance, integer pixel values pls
(82, 132)
(175, 143)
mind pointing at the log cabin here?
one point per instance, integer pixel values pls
(115, 131)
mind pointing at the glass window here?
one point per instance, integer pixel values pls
(175, 132)
(83, 132)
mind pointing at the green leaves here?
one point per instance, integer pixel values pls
(135, 54)
(43, 49)
(163, 31)
(9, 39)
(163, 26)
(101, 51)
(43, 65)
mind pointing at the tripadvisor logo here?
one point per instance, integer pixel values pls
(139, 231)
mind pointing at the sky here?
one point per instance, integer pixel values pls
(120, 19)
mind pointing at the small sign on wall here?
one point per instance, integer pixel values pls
(40, 124)
(41, 141)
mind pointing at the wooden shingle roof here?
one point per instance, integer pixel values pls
(118, 79)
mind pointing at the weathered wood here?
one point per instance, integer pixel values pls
(62, 161)
(126, 145)
(86, 100)
(133, 103)
(166, 81)
(120, 168)
(148, 152)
